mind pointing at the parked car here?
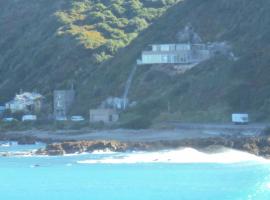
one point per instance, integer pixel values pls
(240, 118)
(9, 119)
(77, 118)
(61, 119)
(29, 118)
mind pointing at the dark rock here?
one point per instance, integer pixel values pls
(54, 149)
(25, 140)
(73, 147)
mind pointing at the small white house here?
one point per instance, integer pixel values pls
(25, 102)
(15, 106)
(29, 118)
(240, 118)
(103, 115)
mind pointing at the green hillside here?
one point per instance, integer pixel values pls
(214, 89)
(48, 44)
(94, 44)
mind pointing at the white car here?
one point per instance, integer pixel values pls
(77, 118)
(240, 118)
(29, 118)
(9, 119)
(61, 118)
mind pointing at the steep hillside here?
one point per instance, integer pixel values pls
(95, 46)
(48, 44)
(214, 89)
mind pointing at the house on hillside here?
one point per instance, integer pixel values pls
(184, 53)
(103, 115)
(25, 102)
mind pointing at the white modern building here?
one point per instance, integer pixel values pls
(175, 54)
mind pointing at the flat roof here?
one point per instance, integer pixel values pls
(165, 52)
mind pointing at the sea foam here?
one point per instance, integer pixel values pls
(186, 155)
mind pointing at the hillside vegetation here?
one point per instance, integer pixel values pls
(94, 45)
(107, 25)
(48, 44)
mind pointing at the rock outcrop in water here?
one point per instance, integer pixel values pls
(255, 145)
(21, 139)
(258, 145)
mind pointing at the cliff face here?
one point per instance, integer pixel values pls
(51, 44)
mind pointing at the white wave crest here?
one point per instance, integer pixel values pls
(186, 155)
(102, 152)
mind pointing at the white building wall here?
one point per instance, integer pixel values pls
(163, 47)
(186, 47)
(15, 106)
(175, 57)
(175, 54)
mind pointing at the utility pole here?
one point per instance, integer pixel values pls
(169, 107)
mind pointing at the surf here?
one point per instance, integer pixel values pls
(185, 155)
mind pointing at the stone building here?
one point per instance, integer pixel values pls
(62, 101)
(103, 115)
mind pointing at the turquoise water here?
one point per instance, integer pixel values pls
(66, 178)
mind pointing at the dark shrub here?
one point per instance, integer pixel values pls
(138, 123)
(266, 131)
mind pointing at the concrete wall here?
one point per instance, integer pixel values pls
(183, 56)
(175, 54)
(103, 115)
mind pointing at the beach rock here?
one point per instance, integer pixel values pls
(41, 152)
(255, 145)
(55, 152)
(54, 149)
(26, 140)
(251, 148)
(107, 145)
(73, 147)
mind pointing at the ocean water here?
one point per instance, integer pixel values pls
(183, 174)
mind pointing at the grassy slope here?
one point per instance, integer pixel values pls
(33, 56)
(53, 44)
(211, 91)
(39, 58)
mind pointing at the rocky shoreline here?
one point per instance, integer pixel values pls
(259, 146)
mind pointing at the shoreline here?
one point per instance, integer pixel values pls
(200, 137)
(259, 146)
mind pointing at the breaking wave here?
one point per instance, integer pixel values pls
(186, 155)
